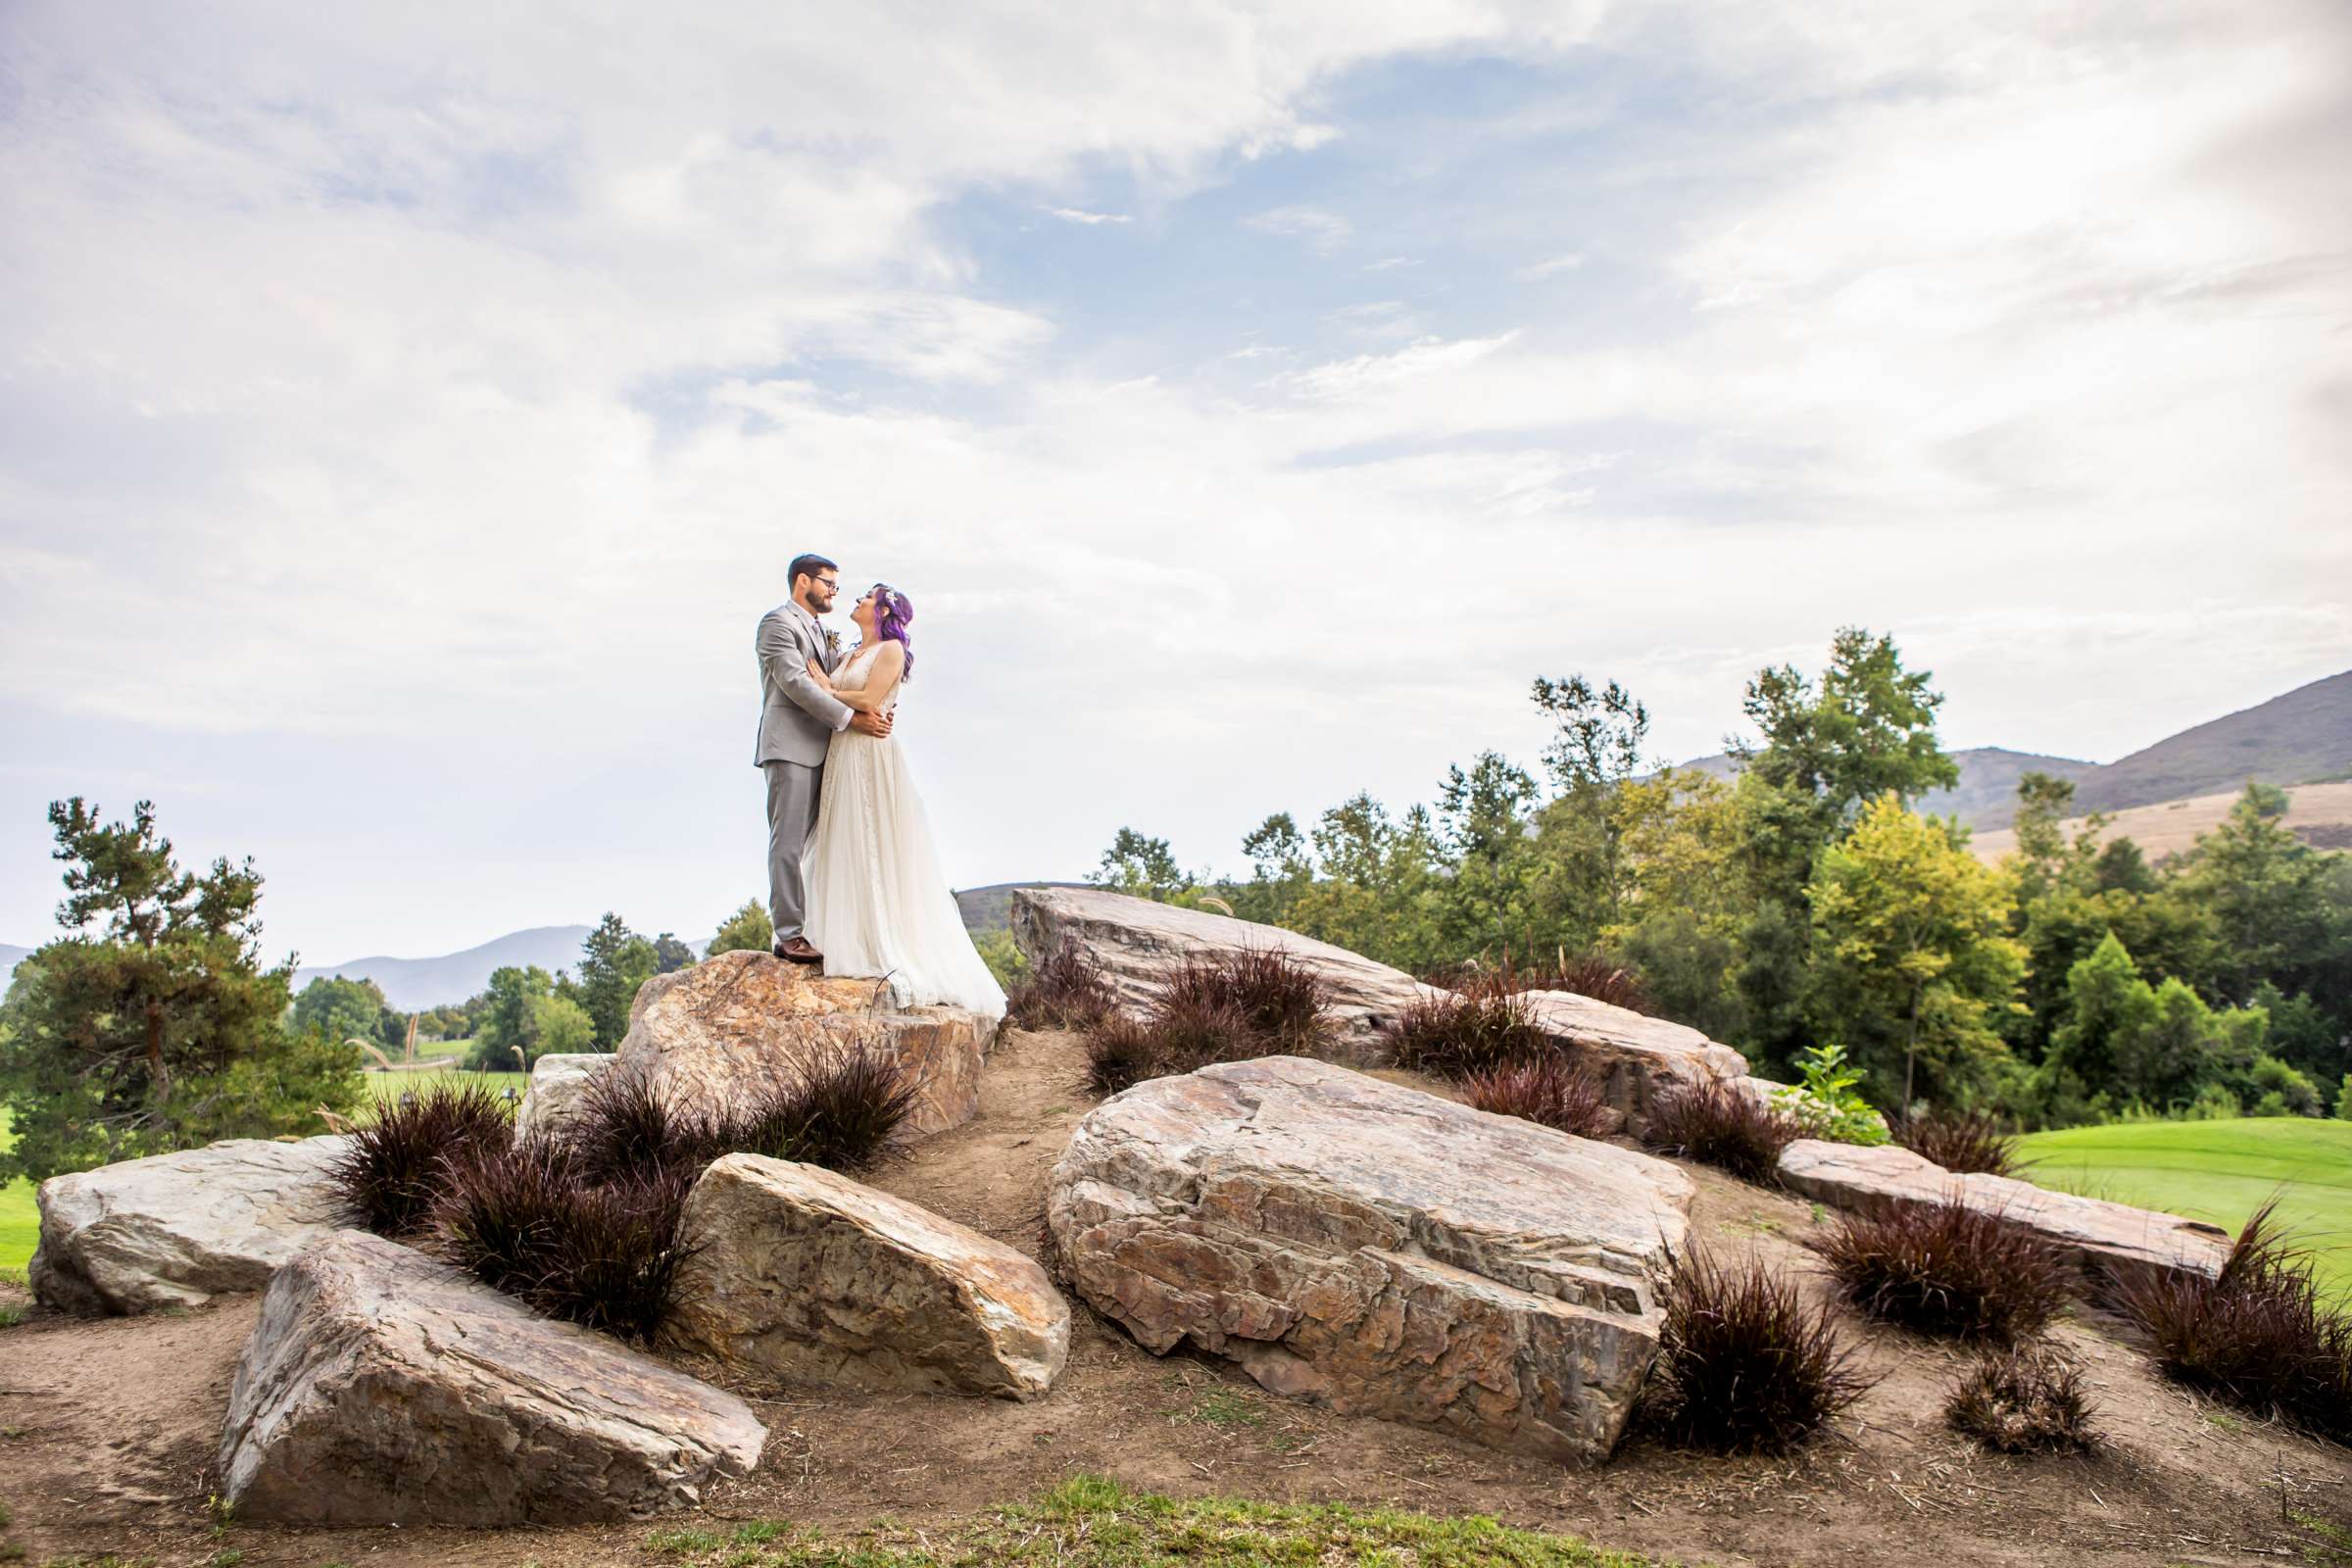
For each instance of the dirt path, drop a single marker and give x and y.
(111, 1428)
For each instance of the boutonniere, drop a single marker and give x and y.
(832, 643)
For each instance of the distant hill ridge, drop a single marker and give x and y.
(2301, 737)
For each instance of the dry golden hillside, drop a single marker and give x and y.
(2322, 813)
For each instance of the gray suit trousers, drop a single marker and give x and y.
(792, 797)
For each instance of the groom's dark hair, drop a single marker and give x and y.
(806, 567)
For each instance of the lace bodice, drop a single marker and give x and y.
(854, 670)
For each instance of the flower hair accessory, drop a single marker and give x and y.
(893, 612)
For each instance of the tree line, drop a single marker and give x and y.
(1803, 902)
(153, 1022)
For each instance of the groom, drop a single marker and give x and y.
(798, 718)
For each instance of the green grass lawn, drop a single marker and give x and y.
(19, 1221)
(2219, 1172)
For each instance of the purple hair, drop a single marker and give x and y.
(893, 612)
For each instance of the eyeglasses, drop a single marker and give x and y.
(829, 584)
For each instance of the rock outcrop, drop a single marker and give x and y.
(742, 1022)
(559, 1083)
(380, 1387)
(1134, 943)
(179, 1229)
(2095, 1234)
(1377, 1249)
(819, 1280)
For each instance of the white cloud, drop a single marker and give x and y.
(1075, 215)
(1325, 231)
(1567, 260)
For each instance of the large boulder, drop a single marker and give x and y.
(1134, 944)
(382, 1388)
(1377, 1249)
(558, 1084)
(818, 1279)
(179, 1229)
(743, 1022)
(2097, 1234)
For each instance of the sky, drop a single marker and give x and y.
(407, 412)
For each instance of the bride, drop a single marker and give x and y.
(877, 901)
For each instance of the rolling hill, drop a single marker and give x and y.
(413, 983)
(2300, 737)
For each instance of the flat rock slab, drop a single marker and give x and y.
(179, 1229)
(1135, 943)
(2097, 1234)
(743, 1022)
(818, 1279)
(558, 1085)
(1377, 1249)
(380, 1387)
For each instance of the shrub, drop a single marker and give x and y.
(1452, 1035)
(1065, 992)
(839, 1112)
(1120, 1053)
(629, 1126)
(1825, 1104)
(392, 1171)
(1279, 1000)
(2029, 1400)
(1720, 1125)
(526, 1221)
(1545, 1090)
(1588, 974)
(2261, 1335)
(1235, 1007)
(1946, 1269)
(1743, 1365)
(1181, 1035)
(1961, 1142)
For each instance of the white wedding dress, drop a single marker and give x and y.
(878, 903)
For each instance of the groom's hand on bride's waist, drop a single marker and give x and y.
(875, 725)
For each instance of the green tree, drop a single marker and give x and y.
(1282, 869)
(560, 1026)
(1482, 823)
(342, 1009)
(2124, 1041)
(2279, 905)
(1371, 892)
(1142, 868)
(151, 1025)
(747, 930)
(614, 963)
(670, 955)
(506, 1032)
(1915, 965)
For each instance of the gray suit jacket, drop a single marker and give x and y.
(797, 717)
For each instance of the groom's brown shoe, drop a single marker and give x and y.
(798, 950)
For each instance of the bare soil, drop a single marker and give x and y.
(108, 1431)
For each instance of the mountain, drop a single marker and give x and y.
(1984, 796)
(2302, 737)
(8, 957)
(413, 983)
